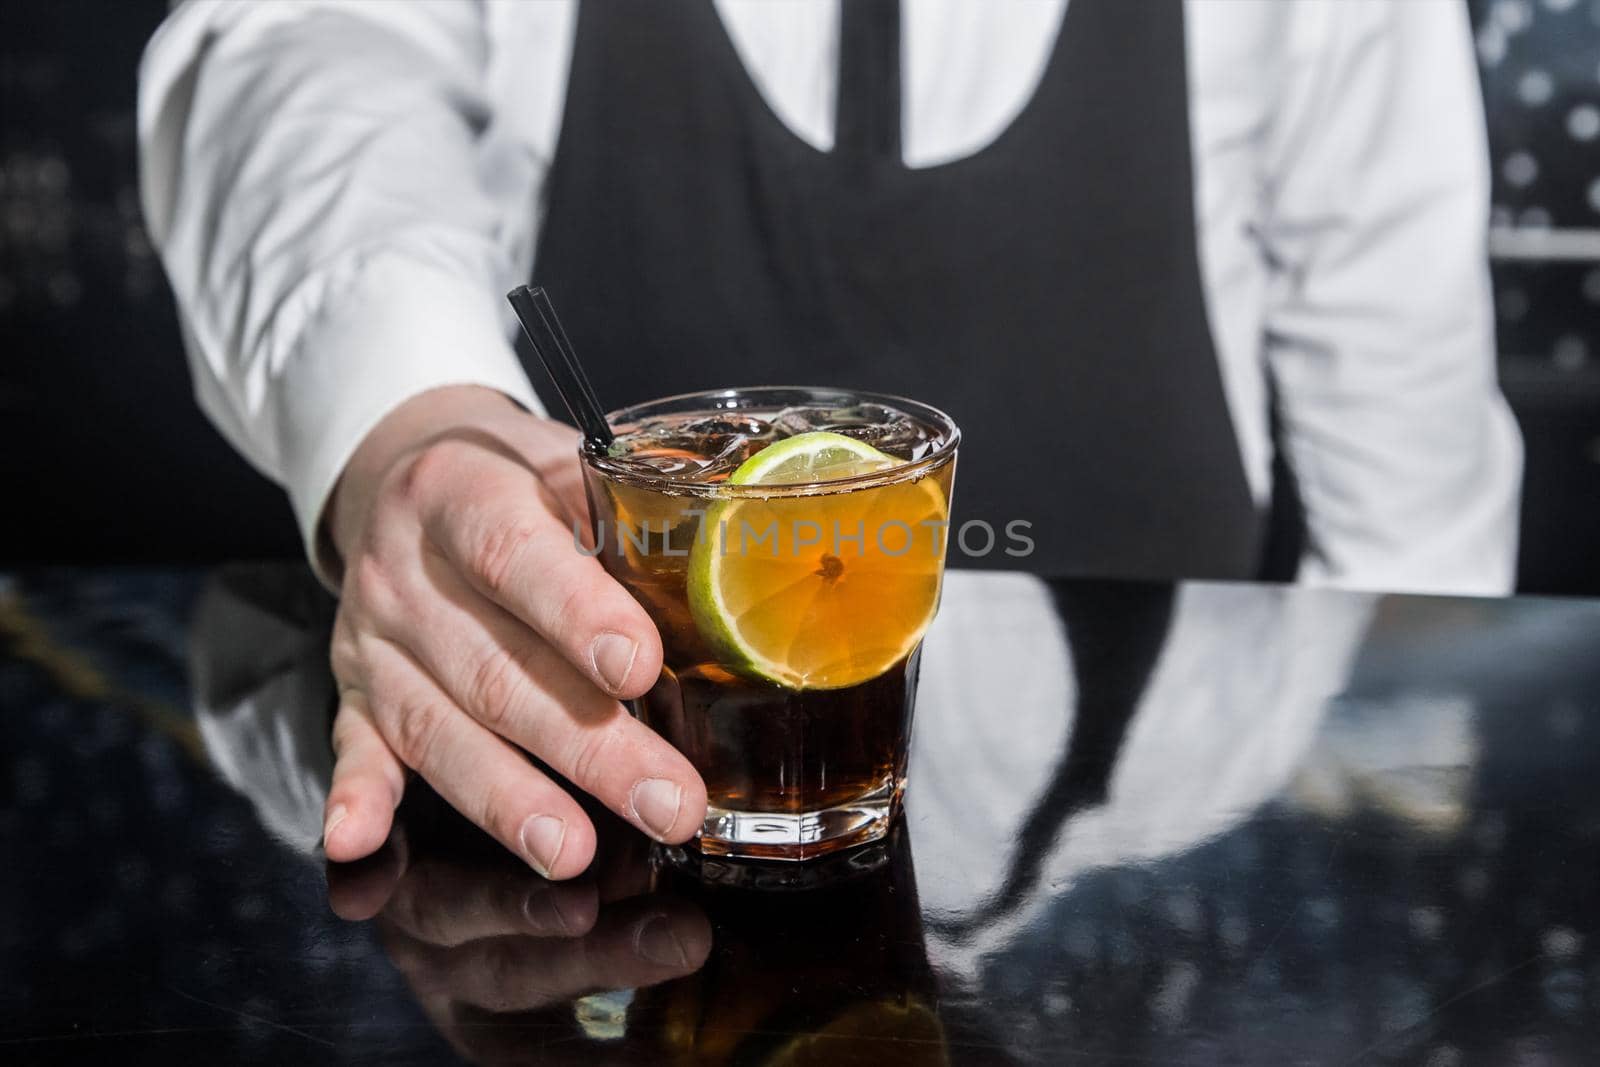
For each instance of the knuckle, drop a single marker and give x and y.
(494, 812)
(501, 552)
(369, 584)
(342, 736)
(575, 591)
(418, 728)
(591, 753)
(570, 593)
(498, 688)
(344, 655)
(420, 475)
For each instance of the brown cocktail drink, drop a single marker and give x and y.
(789, 545)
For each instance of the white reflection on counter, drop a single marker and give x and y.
(1234, 698)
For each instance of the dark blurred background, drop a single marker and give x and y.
(104, 456)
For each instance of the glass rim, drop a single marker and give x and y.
(908, 470)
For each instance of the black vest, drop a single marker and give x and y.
(1045, 291)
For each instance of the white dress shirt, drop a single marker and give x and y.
(342, 192)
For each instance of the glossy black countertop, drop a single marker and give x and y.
(1147, 824)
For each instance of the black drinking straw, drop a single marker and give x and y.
(549, 340)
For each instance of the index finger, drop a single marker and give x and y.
(491, 518)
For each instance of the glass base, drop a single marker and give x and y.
(791, 836)
(736, 873)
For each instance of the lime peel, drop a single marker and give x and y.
(818, 456)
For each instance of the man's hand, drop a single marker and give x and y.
(472, 630)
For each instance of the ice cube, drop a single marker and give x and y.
(673, 463)
(732, 450)
(732, 423)
(803, 419)
(900, 436)
(882, 427)
(650, 435)
(700, 449)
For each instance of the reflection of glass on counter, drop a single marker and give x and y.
(841, 962)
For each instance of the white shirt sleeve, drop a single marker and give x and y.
(339, 211)
(1380, 333)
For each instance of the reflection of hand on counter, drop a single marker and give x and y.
(496, 955)
(622, 965)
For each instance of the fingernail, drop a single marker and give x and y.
(542, 836)
(613, 655)
(655, 802)
(335, 817)
(655, 941)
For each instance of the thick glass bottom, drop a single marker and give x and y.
(805, 835)
(742, 873)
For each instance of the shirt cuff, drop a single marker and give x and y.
(402, 329)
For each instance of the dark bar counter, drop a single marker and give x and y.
(1147, 824)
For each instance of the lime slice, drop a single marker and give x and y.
(820, 591)
(818, 456)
